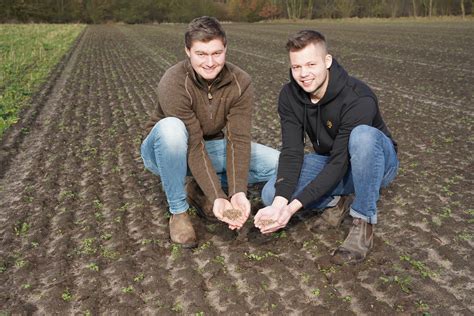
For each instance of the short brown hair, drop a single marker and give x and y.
(303, 38)
(204, 29)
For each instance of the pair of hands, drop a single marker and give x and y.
(237, 201)
(268, 219)
(276, 216)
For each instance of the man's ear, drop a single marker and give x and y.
(187, 51)
(328, 61)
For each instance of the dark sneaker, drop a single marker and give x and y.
(199, 201)
(357, 245)
(334, 216)
(182, 231)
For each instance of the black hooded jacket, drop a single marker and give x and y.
(347, 103)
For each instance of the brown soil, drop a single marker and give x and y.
(232, 214)
(84, 228)
(266, 222)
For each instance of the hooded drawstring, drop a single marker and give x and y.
(318, 124)
(304, 126)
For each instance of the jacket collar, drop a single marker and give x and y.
(224, 77)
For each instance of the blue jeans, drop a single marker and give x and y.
(373, 165)
(164, 153)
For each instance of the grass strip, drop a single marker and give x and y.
(28, 52)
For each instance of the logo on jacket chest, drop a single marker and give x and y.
(329, 124)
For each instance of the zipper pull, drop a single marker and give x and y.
(209, 95)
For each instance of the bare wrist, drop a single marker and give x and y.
(279, 202)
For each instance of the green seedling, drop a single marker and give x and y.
(93, 266)
(219, 260)
(66, 296)
(128, 289)
(316, 292)
(256, 257)
(22, 229)
(177, 307)
(139, 277)
(279, 234)
(175, 251)
(419, 266)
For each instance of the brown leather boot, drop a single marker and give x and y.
(182, 231)
(199, 201)
(335, 215)
(357, 245)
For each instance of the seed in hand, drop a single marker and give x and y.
(232, 214)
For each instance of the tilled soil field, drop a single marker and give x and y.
(84, 228)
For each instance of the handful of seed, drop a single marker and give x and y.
(232, 213)
(266, 222)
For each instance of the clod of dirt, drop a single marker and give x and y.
(232, 213)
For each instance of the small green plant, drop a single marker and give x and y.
(175, 251)
(66, 296)
(139, 277)
(177, 307)
(22, 229)
(99, 216)
(347, 298)
(403, 282)
(256, 257)
(204, 246)
(146, 241)
(199, 314)
(422, 307)
(465, 235)
(316, 292)
(67, 195)
(419, 266)
(98, 204)
(93, 266)
(106, 236)
(128, 289)
(219, 260)
(87, 246)
(20, 263)
(327, 270)
(109, 253)
(446, 212)
(26, 286)
(279, 234)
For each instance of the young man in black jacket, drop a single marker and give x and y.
(354, 151)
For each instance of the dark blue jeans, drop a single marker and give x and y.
(373, 165)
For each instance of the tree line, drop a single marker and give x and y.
(146, 11)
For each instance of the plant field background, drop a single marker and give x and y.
(84, 227)
(27, 54)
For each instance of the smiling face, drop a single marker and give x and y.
(207, 58)
(310, 68)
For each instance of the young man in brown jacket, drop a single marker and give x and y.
(202, 129)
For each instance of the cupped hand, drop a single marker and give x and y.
(272, 218)
(220, 206)
(239, 201)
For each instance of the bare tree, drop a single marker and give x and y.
(294, 8)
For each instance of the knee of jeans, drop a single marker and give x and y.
(171, 133)
(363, 138)
(268, 192)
